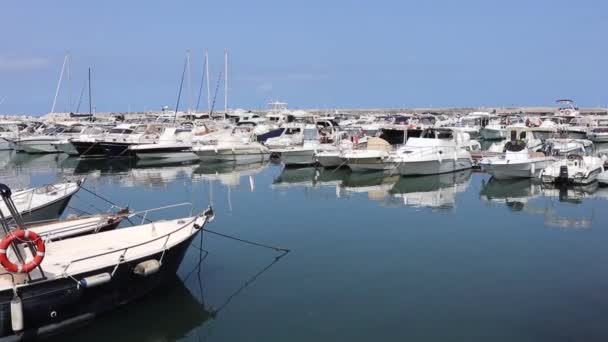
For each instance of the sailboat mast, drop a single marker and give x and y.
(226, 81)
(189, 81)
(208, 87)
(90, 101)
(69, 67)
(59, 83)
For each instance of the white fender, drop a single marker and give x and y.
(146, 268)
(16, 314)
(95, 280)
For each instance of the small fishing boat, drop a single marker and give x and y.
(574, 169)
(72, 281)
(43, 203)
(517, 162)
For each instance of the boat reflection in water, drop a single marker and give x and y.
(515, 193)
(377, 185)
(143, 322)
(310, 177)
(561, 206)
(228, 174)
(434, 191)
(126, 172)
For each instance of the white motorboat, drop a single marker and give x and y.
(496, 129)
(291, 135)
(473, 122)
(574, 169)
(100, 272)
(563, 147)
(42, 142)
(599, 133)
(77, 132)
(116, 142)
(9, 131)
(550, 127)
(174, 144)
(517, 162)
(516, 135)
(43, 203)
(374, 158)
(236, 148)
(438, 150)
(304, 154)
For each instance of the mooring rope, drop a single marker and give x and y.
(278, 249)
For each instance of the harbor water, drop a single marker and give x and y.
(453, 257)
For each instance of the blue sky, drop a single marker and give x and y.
(312, 54)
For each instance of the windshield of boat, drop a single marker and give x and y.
(121, 131)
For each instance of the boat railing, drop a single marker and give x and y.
(208, 214)
(144, 213)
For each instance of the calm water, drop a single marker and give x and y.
(455, 257)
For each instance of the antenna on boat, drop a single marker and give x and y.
(65, 60)
(226, 81)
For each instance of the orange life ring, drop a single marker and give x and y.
(22, 235)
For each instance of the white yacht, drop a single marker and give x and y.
(574, 169)
(9, 131)
(237, 147)
(374, 158)
(517, 162)
(43, 142)
(518, 135)
(303, 154)
(174, 144)
(438, 150)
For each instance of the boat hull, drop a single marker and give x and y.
(88, 149)
(298, 157)
(590, 178)
(50, 211)
(516, 170)
(37, 146)
(432, 167)
(229, 155)
(52, 307)
(330, 161)
(367, 164)
(66, 147)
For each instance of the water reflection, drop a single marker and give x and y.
(154, 318)
(228, 174)
(434, 191)
(560, 206)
